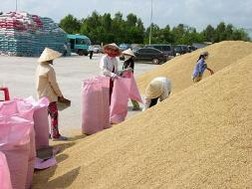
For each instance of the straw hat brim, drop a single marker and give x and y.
(204, 53)
(111, 46)
(129, 52)
(48, 54)
(154, 89)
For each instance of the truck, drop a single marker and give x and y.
(79, 44)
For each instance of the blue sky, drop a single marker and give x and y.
(194, 13)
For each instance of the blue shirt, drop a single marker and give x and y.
(199, 68)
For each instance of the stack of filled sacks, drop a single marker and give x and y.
(95, 101)
(20, 120)
(22, 34)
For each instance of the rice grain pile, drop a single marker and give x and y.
(201, 137)
(179, 69)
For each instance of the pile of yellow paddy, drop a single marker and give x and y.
(180, 69)
(200, 137)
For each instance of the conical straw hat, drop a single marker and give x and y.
(48, 54)
(204, 53)
(128, 52)
(154, 89)
(111, 46)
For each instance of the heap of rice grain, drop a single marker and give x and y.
(180, 69)
(200, 137)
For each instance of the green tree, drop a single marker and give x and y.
(134, 29)
(208, 33)
(220, 32)
(240, 34)
(155, 34)
(118, 27)
(229, 31)
(70, 24)
(167, 35)
(104, 29)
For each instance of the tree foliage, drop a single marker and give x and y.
(107, 29)
(70, 24)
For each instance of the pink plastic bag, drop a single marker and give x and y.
(95, 104)
(40, 117)
(104, 81)
(5, 182)
(34, 111)
(15, 144)
(26, 110)
(8, 107)
(124, 88)
(119, 100)
(41, 123)
(41, 126)
(133, 92)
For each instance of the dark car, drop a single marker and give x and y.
(181, 49)
(166, 48)
(192, 48)
(151, 54)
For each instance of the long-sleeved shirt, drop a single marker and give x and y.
(199, 68)
(109, 66)
(46, 83)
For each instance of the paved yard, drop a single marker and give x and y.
(17, 73)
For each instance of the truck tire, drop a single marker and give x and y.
(80, 52)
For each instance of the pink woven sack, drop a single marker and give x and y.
(119, 100)
(95, 107)
(5, 182)
(15, 144)
(133, 92)
(36, 112)
(124, 88)
(41, 123)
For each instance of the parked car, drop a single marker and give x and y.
(97, 48)
(192, 48)
(181, 49)
(151, 54)
(166, 48)
(124, 46)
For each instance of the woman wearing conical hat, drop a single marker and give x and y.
(158, 89)
(129, 64)
(109, 63)
(47, 86)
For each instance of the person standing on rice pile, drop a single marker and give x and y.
(129, 64)
(47, 86)
(158, 88)
(200, 67)
(109, 64)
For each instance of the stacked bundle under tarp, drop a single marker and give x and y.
(23, 34)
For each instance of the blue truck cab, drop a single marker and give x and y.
(79, 44)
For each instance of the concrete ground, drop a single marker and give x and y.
(17, 73)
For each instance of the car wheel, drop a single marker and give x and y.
(80, 52)
(155, 61)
